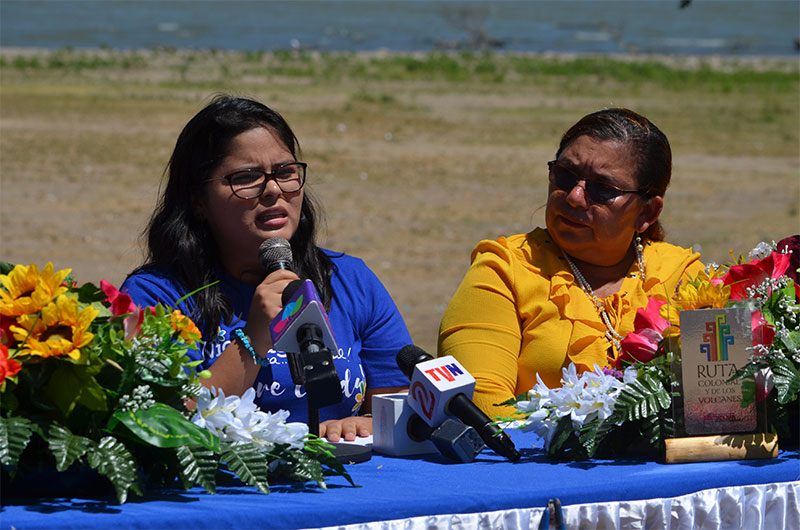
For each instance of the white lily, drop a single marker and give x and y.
(235, 418)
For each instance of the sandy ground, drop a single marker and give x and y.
(411, 175)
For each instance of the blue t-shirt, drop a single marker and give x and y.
(367, 326)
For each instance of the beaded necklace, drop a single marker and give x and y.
(611, 334)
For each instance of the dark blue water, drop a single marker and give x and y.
(736, 27)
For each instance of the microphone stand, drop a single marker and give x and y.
(313, 368)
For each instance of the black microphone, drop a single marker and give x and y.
(457, 404)
(453, 439)
(275, 254)
(313, 368)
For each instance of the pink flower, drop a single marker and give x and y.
(740, 277)
(121, 304)
(764, 384)
(650, 317)
(641, 345)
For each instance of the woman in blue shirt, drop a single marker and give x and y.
(234, 180)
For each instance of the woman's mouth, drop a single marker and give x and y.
(272, 219)
(571, 222)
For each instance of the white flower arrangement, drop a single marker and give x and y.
(238, 419)
(590, 395)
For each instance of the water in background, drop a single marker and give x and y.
(732, 27)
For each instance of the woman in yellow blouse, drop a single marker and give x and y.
(534, 303)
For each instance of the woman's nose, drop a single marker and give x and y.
(271, 189)
(577, 195)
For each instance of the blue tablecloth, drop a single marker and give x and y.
(400, 488)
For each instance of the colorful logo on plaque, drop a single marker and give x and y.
(717, 339)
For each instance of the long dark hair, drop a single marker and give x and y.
(178, 242)
(647, 143)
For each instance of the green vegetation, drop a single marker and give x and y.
(487, 67)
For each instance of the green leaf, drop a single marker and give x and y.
(198, 466)
(792, 341)
(89, 292)
(657, 427)
(248, 463)
(592, 433)
(746, 372)
(305, 468)
(787, 381)
(71, 384)
(66, 447)
(112, 459)
(302, 466)
(15, 433)
(748, 392)
(563, 441)
(162, 426)
(319, 450)
(643, 398)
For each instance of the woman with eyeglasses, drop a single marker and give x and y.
(531, 304)
(234, 181)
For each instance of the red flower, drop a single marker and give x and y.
(763, 333)
(8, 367)
(641, 345)
(791, 246)
(740, 277)
(6, 338)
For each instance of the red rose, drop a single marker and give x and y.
(8, 367)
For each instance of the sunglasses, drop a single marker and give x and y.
(597, 192)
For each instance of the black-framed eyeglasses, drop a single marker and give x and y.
(251, 183)
(598, 192)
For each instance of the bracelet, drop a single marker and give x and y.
(239, 332)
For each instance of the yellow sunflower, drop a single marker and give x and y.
(184, 326)
(706, 291)
(61, 330)
(25, 291)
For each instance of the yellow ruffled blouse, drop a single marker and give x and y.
(519, 312)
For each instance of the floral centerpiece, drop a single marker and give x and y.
(89, 379)
(613, 410)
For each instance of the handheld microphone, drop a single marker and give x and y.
(301, 303)
(303, 331)
(439, 389)
(275, 254)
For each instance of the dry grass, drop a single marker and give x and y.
(412, 168)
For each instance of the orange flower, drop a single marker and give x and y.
(185, 327)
